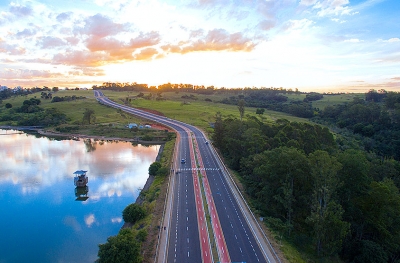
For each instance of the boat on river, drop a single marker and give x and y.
(80, 179)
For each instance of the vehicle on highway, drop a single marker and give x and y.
(183, 161)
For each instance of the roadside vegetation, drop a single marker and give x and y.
(144, 219)
(321, 169)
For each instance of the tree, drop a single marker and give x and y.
(355, 182)
(122, 248)
(218, 135)
(154, 167)
(8, 105)
(326, 215)
(133, 213)
(381, 210)
(284, 174)
(260, 111)
(241, 105)
(88, 116)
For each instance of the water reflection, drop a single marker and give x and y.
(37, 193)
(81, 193)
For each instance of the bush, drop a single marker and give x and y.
(8, 105)
(154, 167)
(133, 213)
(163, 171)
(147, 138)
(141, 235)
(121, 248)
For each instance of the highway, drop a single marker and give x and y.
(235, 233)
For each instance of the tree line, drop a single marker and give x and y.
(336, 200)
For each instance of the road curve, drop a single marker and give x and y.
(181, 241)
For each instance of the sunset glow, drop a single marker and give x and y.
(325, 45)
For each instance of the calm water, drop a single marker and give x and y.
(40, 220)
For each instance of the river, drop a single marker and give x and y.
(42, 219)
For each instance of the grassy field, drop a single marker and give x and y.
(196, 112)
(336, 99)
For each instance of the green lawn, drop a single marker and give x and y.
(336, 99)
(196, 112)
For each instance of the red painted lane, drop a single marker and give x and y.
(216, 224)
(201, 219)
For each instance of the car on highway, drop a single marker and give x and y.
(183, 161)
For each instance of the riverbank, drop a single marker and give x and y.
(140, 199)
(75, 136)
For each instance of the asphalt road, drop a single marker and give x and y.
(233, 226)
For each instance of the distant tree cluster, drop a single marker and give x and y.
(31, 114)
(66, 98)
(339, 202)
(376, 120)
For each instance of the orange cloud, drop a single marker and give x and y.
(10, 73)
(146, 54)
(121, 51)
(87, 71)
(81, 58)
(215, 40)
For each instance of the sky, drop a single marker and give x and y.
(311, 45)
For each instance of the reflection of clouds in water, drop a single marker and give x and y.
(73, 223)
(35, 163)
(128, 183)
(89, 220)
(116, 220)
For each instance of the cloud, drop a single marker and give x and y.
(20, 10)
(63, 16)
(329, 7)
(89, 220)
(308, 2)
(266, 24)
(100, 26)
(215, 40)
(11, 49)
(337, 20)
(51, 42)
(353, 40)
(145, 54)
(87, 71)
(80, 58)
(119, 50)
(10, 73)
(72, 40)
(25, 33)
(392, 40)
(393, 58)
(297, 24)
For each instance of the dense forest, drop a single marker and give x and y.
(374, 121)
(335, 199)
